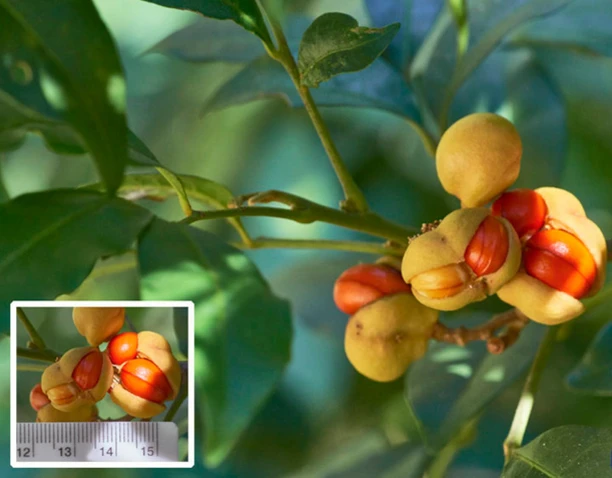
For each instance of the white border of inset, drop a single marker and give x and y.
(85, 464)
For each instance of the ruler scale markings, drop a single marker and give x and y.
(108, 441)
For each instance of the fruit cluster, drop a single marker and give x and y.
(535, 249)
(139, 371)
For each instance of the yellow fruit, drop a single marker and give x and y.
(383, 338)
(478, 158)
(148, 380)
(468, 257)
(98, 324)
(563, 262)
(48, 414)
(81, 377)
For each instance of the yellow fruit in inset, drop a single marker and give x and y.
(98, 324)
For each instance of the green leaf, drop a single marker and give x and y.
(416, 17)
(583, 81)
(461, 381)
(4, 195)
(209, 40)
(244, 12)
(380, 87)
(593, 375)
(156, 187)
(56, 237)
(492, 377)
(61, 63)
(138, 153)
(242, 331)
(16, 120)
(536, 108)
(581, 26)
(112, 278)
(571, 451)
(335, 44)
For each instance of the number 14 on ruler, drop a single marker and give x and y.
(102, 441)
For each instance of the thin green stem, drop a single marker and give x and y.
(354, 201)
(44, 355)
(182, 395)
(349, 246)
(368, 223)
(609, 248)
(176, 404)
(526, 400)
(32, 332)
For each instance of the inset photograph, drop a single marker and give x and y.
(102, 384)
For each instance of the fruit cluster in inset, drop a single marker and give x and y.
(536, 249)
(138, 370)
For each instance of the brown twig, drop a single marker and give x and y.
(512, 320)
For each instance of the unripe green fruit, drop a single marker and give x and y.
(478, 158)
(383, 338)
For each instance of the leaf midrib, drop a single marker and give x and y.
(534, 465)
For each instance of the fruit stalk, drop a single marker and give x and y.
(513, 320)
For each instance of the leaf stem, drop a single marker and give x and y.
(354, 200)
(32, 332)
(350, 246)
(44, 355)
(177, 185)
(526, 400)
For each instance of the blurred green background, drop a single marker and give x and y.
(324, 418)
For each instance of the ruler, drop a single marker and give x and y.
(96, 442)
